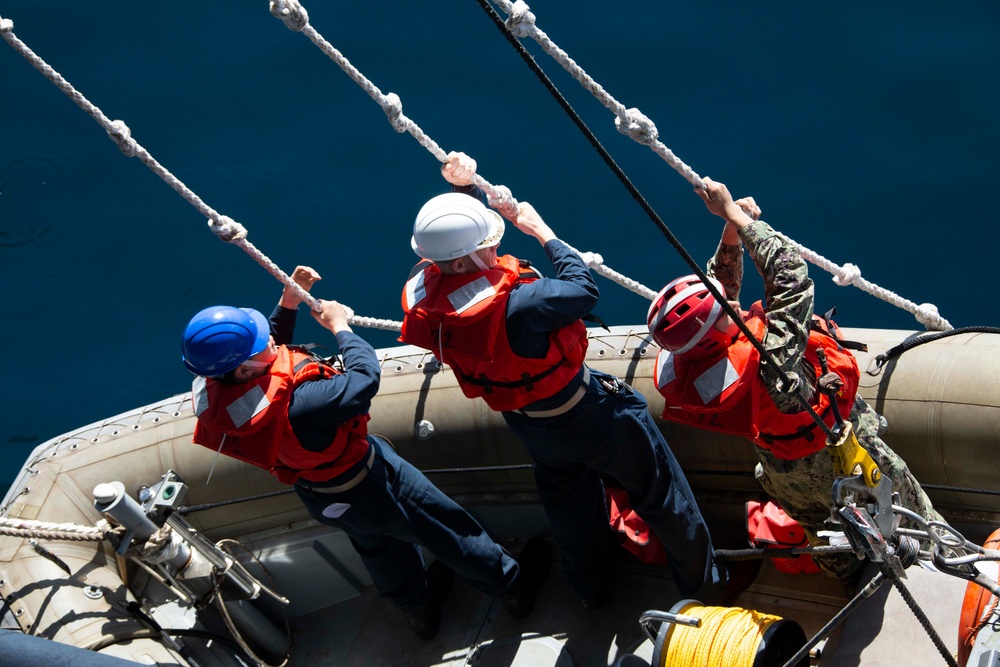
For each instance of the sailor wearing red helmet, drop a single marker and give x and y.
(709, 372)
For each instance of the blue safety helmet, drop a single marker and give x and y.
(220, 338)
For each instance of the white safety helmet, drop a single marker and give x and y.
(454, 225)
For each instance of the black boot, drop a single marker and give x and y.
(534, 563)
(425, 620)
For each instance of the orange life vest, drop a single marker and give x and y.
(769, 526)
(726, 394)
(463, 319)
(249, 421)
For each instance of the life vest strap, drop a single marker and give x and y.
(805, 431)
(565, 407)
(351, 478)
(527, 381)
(833, 331)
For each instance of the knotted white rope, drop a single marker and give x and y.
(596, 262)
(849, 274)
(223, 226)
(632, 122)
(295, 17)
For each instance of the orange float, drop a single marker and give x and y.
(977, 607)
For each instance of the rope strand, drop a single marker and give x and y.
(295, 17)
(54, 531)
(222, 226)
(640, 128)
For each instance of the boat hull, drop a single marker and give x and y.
(941, 401)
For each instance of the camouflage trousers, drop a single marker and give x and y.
(803, 487)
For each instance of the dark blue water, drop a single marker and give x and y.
(866, 133)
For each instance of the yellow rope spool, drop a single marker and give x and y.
(727, 637)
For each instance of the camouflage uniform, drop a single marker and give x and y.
(803, 486)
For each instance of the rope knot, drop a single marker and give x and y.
(292, 14)
(122, 136)
(500, 198)
(393, 108)
(846, 275)
(592, 259)
(928, 315)
(159, 548)
(227, 229)
(637, 126)
(6, 25)
(521, 21)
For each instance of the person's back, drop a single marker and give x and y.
(283, 409)
(577, 423)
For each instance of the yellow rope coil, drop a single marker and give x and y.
(728, 637)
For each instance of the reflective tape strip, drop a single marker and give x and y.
(716, 380)
(466, 297)
(665, 373)
(199, 395)
(247, 406)
(565, 407)
(415, 291)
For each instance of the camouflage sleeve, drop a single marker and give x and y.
(789, 302)
(727, 267)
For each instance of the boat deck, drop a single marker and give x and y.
(475, 630)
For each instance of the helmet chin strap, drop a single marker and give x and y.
(480, 264)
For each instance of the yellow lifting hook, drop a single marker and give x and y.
(850, 458)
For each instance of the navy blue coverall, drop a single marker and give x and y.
(610, 431)
(395, 507)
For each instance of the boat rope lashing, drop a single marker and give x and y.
(879, 362)
(47, 530)
(786, 382)
(296, 18)
(222, 226)
(158, 547)
(633, 123)
(727, 637)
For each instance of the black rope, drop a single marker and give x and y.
(778, 552)
(961, 489)
(767, 361)
(222, 503)
(884, 358)
(836, 620)
(925, 622)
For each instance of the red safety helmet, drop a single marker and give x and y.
(683, 316)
